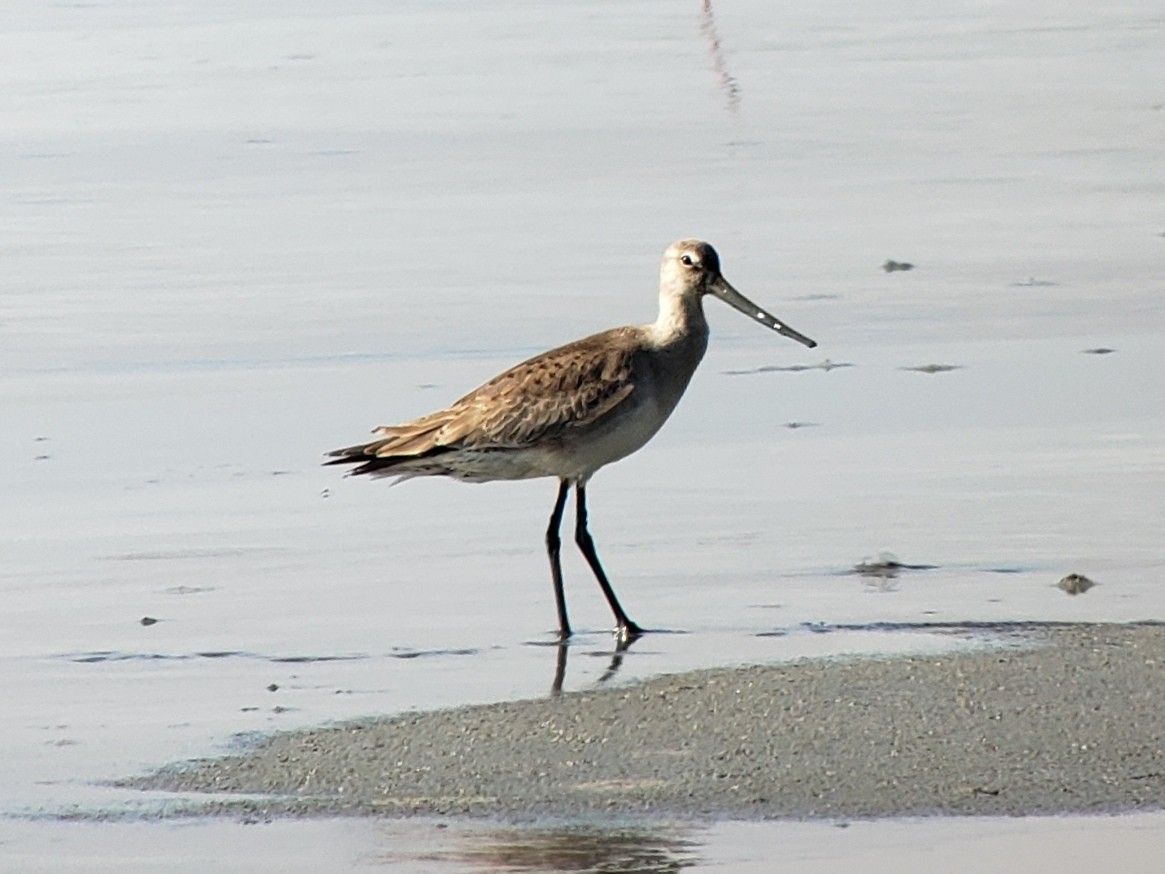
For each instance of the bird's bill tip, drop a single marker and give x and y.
(738, 301)
(800, 338)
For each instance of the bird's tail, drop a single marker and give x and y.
(400, 446)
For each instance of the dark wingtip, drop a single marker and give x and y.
(347, 455)
(366, 463)
(369, 463)
(341, 460)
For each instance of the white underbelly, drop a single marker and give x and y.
(624, 432)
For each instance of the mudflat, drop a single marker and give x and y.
(1071, 719)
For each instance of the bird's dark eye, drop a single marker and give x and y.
(686, 260)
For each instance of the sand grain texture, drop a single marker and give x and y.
(1073, 724)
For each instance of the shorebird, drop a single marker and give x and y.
(570, 411)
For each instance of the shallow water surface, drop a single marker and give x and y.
(245, 235)
(1002, 846)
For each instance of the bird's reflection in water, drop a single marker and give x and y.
(580, 849)
(622, 644)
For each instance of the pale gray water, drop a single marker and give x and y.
(956, 845)
(242, 235)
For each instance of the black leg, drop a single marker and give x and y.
(626, 629)
(553, 543)
(559, 668)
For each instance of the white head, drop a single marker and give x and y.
(691, 269)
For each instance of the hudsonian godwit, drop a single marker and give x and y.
(570, 411)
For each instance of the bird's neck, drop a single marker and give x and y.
(681, 321)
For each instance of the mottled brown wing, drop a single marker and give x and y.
(564, 388)
(539, 399)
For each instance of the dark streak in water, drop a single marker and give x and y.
(99, 656)
(424, 653)
(1001, 625)
(116, 656)
(172, 554)
(825, 365)
(728, 83)
(933, 368)
(967, 625)
(95, 657)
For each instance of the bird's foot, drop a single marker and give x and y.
(627, 631)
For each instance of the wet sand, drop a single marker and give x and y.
(1071, 720)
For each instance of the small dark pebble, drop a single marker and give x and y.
(1099, 350)
(274, 687)
(148, 620)
(887, 565)
(893, 266)
(1076, 584)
